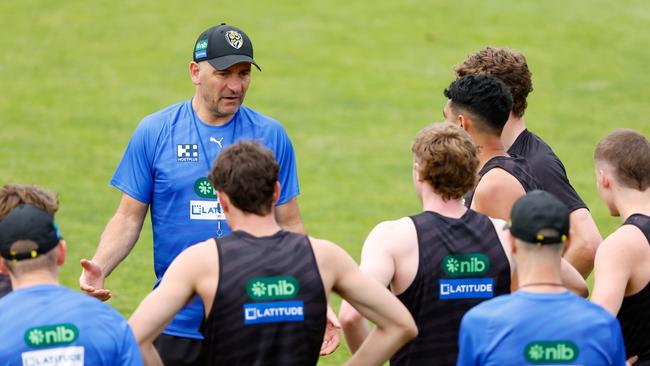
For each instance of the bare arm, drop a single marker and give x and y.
(394, 324)
(496, 194)
(612, 272)
(376, 262)
(159, 307)
(585, 241)
(288, 216)
(116, 242)
(573, 280)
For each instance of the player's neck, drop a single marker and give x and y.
(255, 225)
(206, 116)
(34, 278)
(432, 201)
(536, 275)
(631, 201)
(489, 147)
(513, 128)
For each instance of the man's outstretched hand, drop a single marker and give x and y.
(92, 280)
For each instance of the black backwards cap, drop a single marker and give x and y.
(536, 211)
(27, 222)
(223, 46)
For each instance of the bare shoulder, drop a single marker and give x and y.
(392, 234)
(627, 241)
(325, 249)
(199, 256)
(495, 182)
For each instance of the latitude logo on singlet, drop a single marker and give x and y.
(550, 352)
(51, 335)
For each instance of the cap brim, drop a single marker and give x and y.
(224, 62)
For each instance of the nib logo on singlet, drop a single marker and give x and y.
(51, 335)
(271, 288)
(465, 264)
(550, 352)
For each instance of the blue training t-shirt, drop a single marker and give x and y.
(166, 165)
(527, 328)
(53, 325)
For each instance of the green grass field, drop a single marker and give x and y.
(352, 82)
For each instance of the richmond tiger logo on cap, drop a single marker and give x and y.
(234, 39)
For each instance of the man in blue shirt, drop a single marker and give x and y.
(165, 168)
(542, 323)
(44, 323)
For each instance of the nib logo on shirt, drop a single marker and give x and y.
(550, 353)
(51, 335)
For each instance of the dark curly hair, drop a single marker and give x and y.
(507, 65)
(485, 97)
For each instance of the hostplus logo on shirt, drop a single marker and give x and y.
(273, 288)
(551, 352)
(187, 153)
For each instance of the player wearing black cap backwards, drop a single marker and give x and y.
(165, 168)
(14, 195)
(542, 323)
(622, 270)
(266, 289)
(44, 323)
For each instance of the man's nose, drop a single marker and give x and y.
(235, 84)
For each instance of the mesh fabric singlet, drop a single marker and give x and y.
(461, 264)
(634, 314)
(516, 166)
(270, 306)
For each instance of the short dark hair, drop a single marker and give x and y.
(447, 159)
(247, 173)
(507, 65)
(485, 97)
(628, 152)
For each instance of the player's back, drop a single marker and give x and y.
(52, 325)
(527, 328)
(270, 306)
(461, 263)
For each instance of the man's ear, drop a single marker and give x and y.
(3, 268)
(61, 248)
(225, 201)
(513, 244)
(276, 193)
(195, 70)
(465, 123)
(603, 178)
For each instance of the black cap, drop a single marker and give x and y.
(223, 46)
(536, 211)
(27, 222)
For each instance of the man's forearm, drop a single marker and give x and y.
(380, 345)
(117, 241)
(584, 243)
